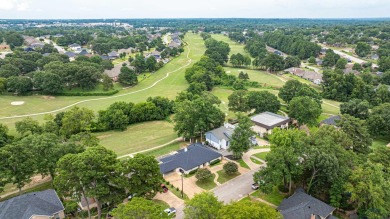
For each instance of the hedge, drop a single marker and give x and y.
(108, 93)
(215, 162)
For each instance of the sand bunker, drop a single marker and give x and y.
(17, 103)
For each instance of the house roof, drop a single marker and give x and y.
(269, 120)
(331, 120)
(187, 159)
(301, 205)
(113, 53)
(70, 54)
(222, 133)
(84, 52)
(34, 203)
(74, 45)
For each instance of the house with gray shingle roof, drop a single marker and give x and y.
(263, 123)
(219, 138)
(331, 121)
(190, 158)
(44, 204)
(303, 206)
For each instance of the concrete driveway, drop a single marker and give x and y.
(189, 184)
(247, 157)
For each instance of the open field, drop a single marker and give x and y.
(256, 75)
(138, 137)
(170, 80)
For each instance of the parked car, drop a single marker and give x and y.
(170, 211)
(164, 188)
(131, 196)
(255, 186)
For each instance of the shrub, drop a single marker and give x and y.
(192, 171)
(215, 162)
(230, 168)
(177, 189)
(108, 93)
(168, 182)
(203, 174)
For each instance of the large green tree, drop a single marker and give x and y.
(305, 110)
(202, 206)
(355, 107)
(77, 120)
(362, 49)
(140, 208)
(357, 131)
(238, 101)
(248, 210)
(379, 120)
(127, 76)
(262, 101)
(240, 140)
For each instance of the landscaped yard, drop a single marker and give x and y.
(207, 184)
(223, 177)
(274, 197)
(261, 155)
(255, 161)
(380, 141)
(40, 187)
(243, 164)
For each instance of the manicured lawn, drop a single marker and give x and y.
(264, 78)
(261, 155)
(40, 187)
(273, 197)
(260, 147)
(207, 184)
(138, 137)
(255, 161)
(234, 46)
(169, 86)
(166, 150)
(243, 164)
(161, 203)
(223, 177)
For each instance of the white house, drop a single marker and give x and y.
(75, 47)
(263, 123)
(220, 138)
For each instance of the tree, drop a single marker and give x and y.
(127, 76)
(202, 206)
(141, 175)
(357, 131)
(87, 174)
(362, 49)
(355, 107)
(203, 174)
(140, 208)
(151, 64)
(370, 190)
(87, 77)
(240, 140)
(341, 63)
(113, 119)
(238, 101)
(4, 137)
(291, 61)
(286, 149)
(16, 165)
(312, 60)
(273, 62)
(248, 210)
(20, 85)
(243, 76)
(29, 126)
(357, 67)
(230, 168)
(139, 63)
(385, 78)
(379, 120)
(384, 64)
(3, 83)
(262, 101)
(77, 120)
(305, 110)
(48, 82)
(107, 83)
(294, 88)
(193, 118)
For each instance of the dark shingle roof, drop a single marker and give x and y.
(35, 203)
(331, 120)
(301, 205)
(195, 155)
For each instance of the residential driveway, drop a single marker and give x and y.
(247, 157)
(173, 201)
(189, 184)
(236, 188)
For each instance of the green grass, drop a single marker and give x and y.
(223, 177)
(40, 187)
(255, 161)
(177, 193)
(380, 141)
(273, 197)
(138, 137)
(165, 150)
(261, 155)
(97, 89)
(163, 204)
(243, 164)
(168, 87)
(264, 78)
(260, 147)
(235, 47)
(207, 184)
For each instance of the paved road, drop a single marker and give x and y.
(236, 188)
(59, 48)
(353, 58)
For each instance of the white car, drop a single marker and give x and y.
(170, 211)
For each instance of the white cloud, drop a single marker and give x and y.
(23, 6)
(7, 4)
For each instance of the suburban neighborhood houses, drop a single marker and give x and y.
(265, 122)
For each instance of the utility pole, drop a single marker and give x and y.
(182, 183)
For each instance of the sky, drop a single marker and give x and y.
(89, 9)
